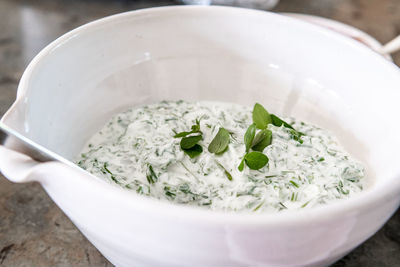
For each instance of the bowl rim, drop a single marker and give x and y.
(355, 204)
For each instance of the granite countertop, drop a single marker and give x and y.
(33, 230)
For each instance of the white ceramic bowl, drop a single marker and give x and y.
(208, 53)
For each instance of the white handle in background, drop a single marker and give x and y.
(391, 47)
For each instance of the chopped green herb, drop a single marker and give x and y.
(294, 196)
(296, 136)
(305, 204)
(340, 189)
(294, 183)
(258, 206)
(168, 192)
(106, 169)
(220, 142)
(151, 175)
(227, 174)
(184, 188)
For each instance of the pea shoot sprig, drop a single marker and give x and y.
(258, 141)
(189, 144)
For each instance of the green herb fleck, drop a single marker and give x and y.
(340, 189)
(227, 174)
(296, 136)
(294, 184)
(241, 165)
(258, 206)
(168, 192)
(151, 175)
(184, 188)
(305, 204)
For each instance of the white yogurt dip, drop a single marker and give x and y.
(137, 150)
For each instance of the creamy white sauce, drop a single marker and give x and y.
(316, 172)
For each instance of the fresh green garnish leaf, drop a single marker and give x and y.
(189, 144)
(191, 141)
(193, 151)
(261, 117)
(220, 142)
(262, 140)
(151, 175)
(249, 136)
(279, 122)
(195, 129)
(256, 160)
(241, 165)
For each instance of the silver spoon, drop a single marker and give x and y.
(20, 143)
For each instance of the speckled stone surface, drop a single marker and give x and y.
(33, 230)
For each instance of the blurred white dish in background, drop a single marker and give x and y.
(256, 4)
(342, 28)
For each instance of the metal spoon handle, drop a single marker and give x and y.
(21, 144)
